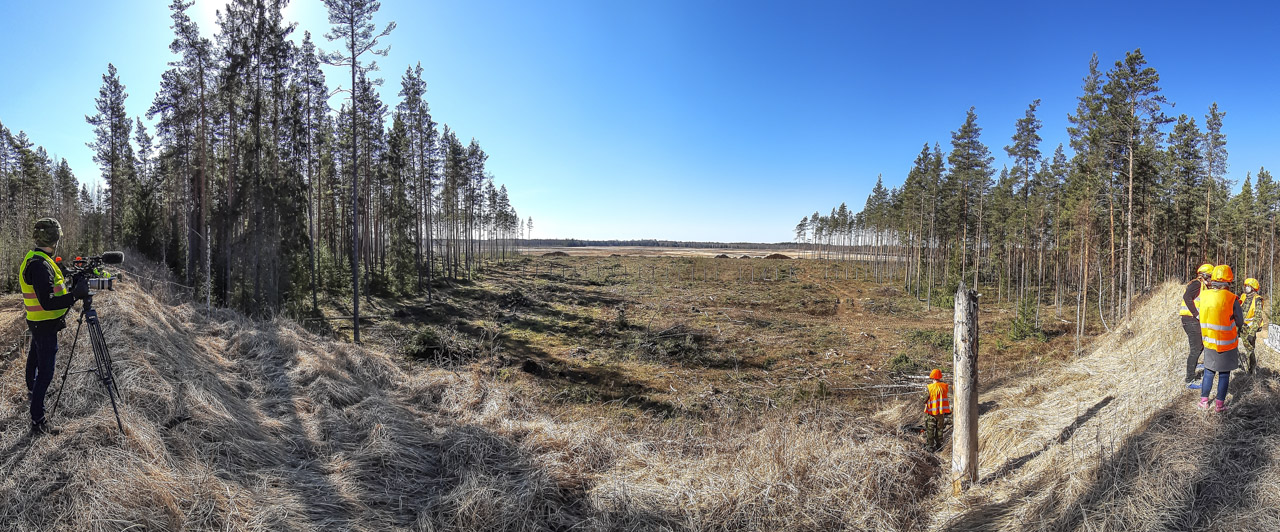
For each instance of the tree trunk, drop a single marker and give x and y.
(964, 445)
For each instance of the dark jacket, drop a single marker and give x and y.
(1189, 298)
(39, 275)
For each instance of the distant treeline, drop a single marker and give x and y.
(574, 243)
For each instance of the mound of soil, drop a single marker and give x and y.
(555, 254)
(745, 257)
(722, 256)
(776, 256)
(614, 255)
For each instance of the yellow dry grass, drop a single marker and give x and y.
(1112, 441)
(235, 424)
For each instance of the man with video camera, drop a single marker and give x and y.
(45, 295)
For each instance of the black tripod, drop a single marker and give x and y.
(101, 360)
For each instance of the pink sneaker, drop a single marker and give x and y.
(1204, 403)
(1218, 406)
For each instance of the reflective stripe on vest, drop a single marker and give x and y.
(938, 401)
(1253, 314)
(35, 312)
(1217, 320)
(1186, 311)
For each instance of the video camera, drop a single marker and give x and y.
(90, 269)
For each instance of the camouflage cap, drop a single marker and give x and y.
(47, 232)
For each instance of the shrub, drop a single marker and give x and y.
(1024, 323)
(903, 363)
(934, 340)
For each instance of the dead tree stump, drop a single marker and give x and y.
(964, 398)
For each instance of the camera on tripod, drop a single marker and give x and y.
(90, 269)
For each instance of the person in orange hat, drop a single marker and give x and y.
(937, 408)
(1221, 320)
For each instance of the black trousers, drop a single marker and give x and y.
(40, 363)
(1195, 345)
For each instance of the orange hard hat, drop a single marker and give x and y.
(936, 374)
(1251, 282)
(1205, 268)
(1223, 274)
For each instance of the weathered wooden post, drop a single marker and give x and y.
(964, 399)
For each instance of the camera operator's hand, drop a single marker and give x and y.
(80, 288)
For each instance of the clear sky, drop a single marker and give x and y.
(700, 120)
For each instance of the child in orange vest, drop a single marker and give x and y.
(937, 410)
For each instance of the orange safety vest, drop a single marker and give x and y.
(938, 401)
(1252, 303)
(1217, 321)
(1186, 311)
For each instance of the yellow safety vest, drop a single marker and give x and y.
(938, 401)
(35, 312)
(1217, 321)
(1186, 311)
(1253, 304)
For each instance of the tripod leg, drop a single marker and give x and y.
(62, 385)
(102, 359)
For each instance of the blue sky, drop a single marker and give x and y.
(700, 120)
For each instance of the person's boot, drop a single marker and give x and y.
(43, 428)
(1204, 403)
(1218, 406)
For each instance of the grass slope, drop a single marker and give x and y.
(1112, 441)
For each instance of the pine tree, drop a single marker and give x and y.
(352, 22)
(970, 176)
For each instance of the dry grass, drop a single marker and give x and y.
(1112, 442)
(234, 424)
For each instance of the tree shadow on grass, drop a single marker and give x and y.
(1016, 463)
(1227, 455)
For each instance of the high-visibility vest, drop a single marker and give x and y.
(938, 401)
(35, 312)
(1253, 304)
(1186, 311)
(1217, 322)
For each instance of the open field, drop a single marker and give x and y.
(707, 338)
(657, 251)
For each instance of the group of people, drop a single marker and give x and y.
(1217, 321)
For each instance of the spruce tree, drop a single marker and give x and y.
(112, 152)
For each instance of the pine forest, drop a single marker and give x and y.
(1141, 199)
(263, 184)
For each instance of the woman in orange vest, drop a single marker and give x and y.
(1190, 316)
(1220, 323)
(937, 407)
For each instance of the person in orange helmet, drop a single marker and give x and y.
(1221, 321)
(937, 409)
(1190, 315)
